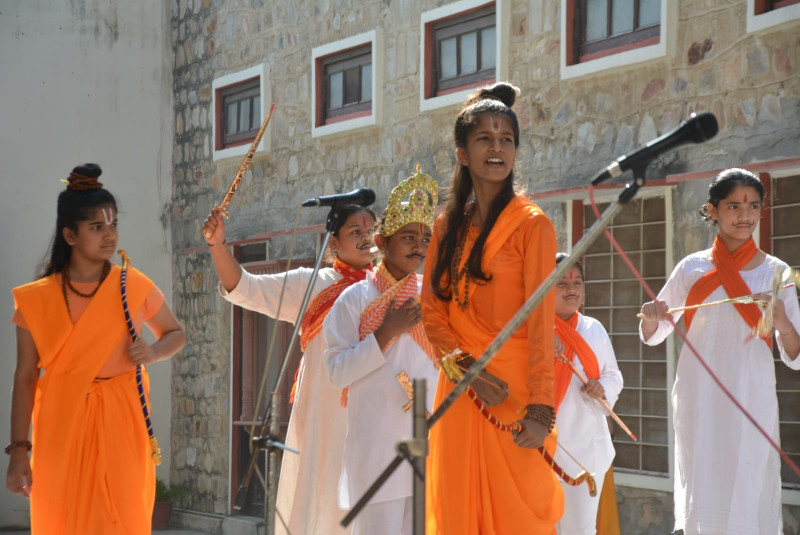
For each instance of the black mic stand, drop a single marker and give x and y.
(413, 450)
(271, 421)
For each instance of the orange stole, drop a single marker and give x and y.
(574, 344)
(91, 457)
(726, 273)
(479, 481)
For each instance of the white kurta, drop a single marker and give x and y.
(375, 417)
(318, 423)
(727, 477)
(583, 431)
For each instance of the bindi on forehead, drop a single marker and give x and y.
(495, 123)
(571, 275)
(745, 197)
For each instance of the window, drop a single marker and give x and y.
(463, 45)
(347, 84)
(599, 35)
(238, 103)
(784, 207)
(614, 297)
(606, 25)
(241, 112)
(762, 14)
(465, 50)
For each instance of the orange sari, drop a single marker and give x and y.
(93, 472)
(479, 481)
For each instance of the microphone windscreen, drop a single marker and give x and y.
(369, 196)
(703, 127)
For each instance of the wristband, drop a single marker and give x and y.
(544, 414)
(19, 444)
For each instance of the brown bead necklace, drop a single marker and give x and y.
(66, 283)
(457, 274)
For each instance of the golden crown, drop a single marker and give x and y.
(423, 195)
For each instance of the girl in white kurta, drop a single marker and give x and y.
(307, 489)
(580, 418)
(374, 333)
(727, 476)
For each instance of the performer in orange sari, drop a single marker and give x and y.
(486, 258)
(76, 376)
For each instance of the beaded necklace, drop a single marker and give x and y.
(457, 274)
(66, 283)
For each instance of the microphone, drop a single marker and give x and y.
(363, 196)
(696, 129)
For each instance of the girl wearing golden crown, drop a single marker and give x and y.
(308, 481)
(491, 249)
(373, 335)
(92, 470)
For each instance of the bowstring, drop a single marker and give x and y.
(685, 338)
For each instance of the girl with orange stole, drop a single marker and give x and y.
(307, 487)
(491, 249)
(76, 377)
(375, 340)
(581, 420)
(727, 477)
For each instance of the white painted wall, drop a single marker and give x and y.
(82, 81)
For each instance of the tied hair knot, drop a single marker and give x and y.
(79, 182)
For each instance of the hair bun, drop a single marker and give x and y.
(502, 91)
(84, 177)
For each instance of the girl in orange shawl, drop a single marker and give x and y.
(76, 377)
(727, 477)
(491, 249)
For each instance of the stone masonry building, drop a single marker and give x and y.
(365, 90)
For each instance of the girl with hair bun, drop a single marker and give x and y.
(491, 249)
(727, 477)
(77, 379)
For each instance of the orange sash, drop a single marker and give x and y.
(726, 273)
(321, 305)
(66, 424)
(372, 317)
(574, 344)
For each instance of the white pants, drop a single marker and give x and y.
(395, 517)
(580, 509)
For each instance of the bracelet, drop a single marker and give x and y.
(544, 414)
(218, 244)
(19, 444)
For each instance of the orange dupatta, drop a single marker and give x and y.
(726, 273)
(574, 344)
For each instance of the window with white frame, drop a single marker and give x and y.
(462, 46)
(598, 35)
(762, 14)
(614, 297)
(237, 102)
(784, 207)
(347, 79)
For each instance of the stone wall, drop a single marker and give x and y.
(570, 129)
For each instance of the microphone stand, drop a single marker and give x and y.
(412, 450)
(271, 423)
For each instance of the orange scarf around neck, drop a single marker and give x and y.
(726, 273)
(372, 317)
(321, 305)
(574, 344)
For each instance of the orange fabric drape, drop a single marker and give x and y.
(479, 481)
(574, 344)
(608, 511)
(726, 273)
(92, 469)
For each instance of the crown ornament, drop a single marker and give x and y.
(412, 201)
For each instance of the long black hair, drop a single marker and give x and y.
(78, 202)
(496, 99)
(724, 183)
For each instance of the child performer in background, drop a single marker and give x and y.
(727, 477)
(308, 481)
(491, 249)
(581, 420)
(374, 336)
(76, 376)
